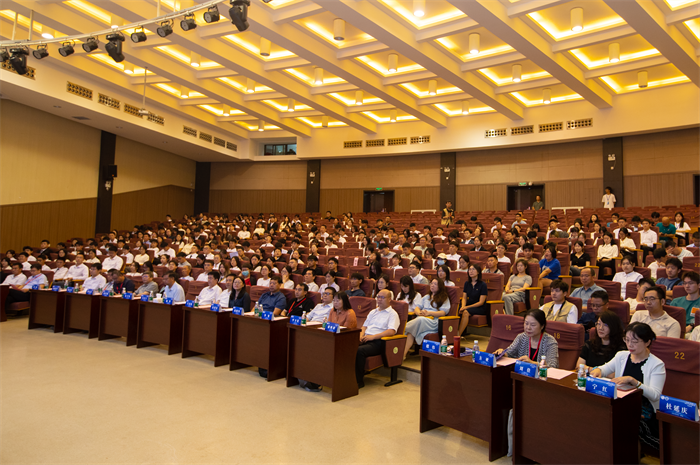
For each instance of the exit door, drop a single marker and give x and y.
(522, 197)
(378, 201)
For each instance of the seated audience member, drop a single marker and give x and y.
(313, 266)
(597, 305)
(667, 230)
(550, 268)
(655, 316)
(301, 302)
(516, 285)
(227, 288)
(691, 300)
(321, 311)
(265, 275)
(330, 282)
(41, 259)
(674, 250)
(696, 240)
(673, 269)
(588, 286)
(408, 293)
(434, 304)
(414, 271)
(356, 280)
(607, 253)
(173, 290)
(210, 294)
(309, 277)
(286, 274)
(627, 246)
(194, 251)
(273, 300)
(695, 335)
(20, 292)
(607, 340)
(92, 257)
(579, 259)
(29, 253)
(443, 272)
(96, 281)
(186, 273)
(239, 296)
(60, 272)
(142, 257)
(491, 265)
(112, 262)
(463, 263)
(452, 253)
(149, 287)
(395, 263)
(342, 312)
(208, 268)
(79, 271)
(407, 254)
(659, 261)
(534, 342)
(643, 285)
(627, 275)
(166, 250)
(473, 298)
(638, 368)
(120, 283)
(560, 309)
(381, 322)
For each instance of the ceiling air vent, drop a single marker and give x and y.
(108, 101)
(156, 119)
(496, 132)
(81, 118)
(31, 72)
(397, 141)
(205, 137)
(78, 90)
(352, 144)
(189, 131)
(219, 142)
(579, 123)
(374, 143)
(132, 110)
(420, 139)
(520, 130)
(549, 127)
(232, 146)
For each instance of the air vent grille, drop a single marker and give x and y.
(189, 131)
(156, 119)
(132, 110)
(579, 123)
(79, 90)
(232, 146)
(352, 144)
(420, 139)
(496, 132)
(204, 136)
(219, 142)
(108, 101)
(549, 127)
(374, 143)
(397, 141)
(517, 131)
(31, 72)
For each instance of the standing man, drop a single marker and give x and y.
(538, 204)
(609, 199)
(448, 214)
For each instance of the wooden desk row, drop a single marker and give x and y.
(283, 349)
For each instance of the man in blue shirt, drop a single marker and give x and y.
(673, 267)
(589, 286)
(273, 300)
(690, 301)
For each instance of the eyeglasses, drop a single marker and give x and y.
(650, 299)
(629, 341)
(600, 324)
(595, 305)
(689, 283)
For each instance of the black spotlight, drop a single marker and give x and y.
(114, 46)
(188, 23)
(66, 49)
(40, 52)
(212, 14)
(90, 45)
(239, 14)
(165, 28)
(4, 55)
(139, 36)
(18, 60)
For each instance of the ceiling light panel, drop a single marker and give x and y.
(91, 10)
(384, 116)
(250, 42)
(185, 56)
(677, 4)
(24, 22)
(489, 44)
(658, 76)
(556, 21)
(240, 84)
(175, 89)
(281, 105)
(694, 26)
(436, 12)
(306, 75)
(455, 108)
(421, 89)
(317, 121)
(378, 62)
(253, 126)
(348, 98)
(558, 94)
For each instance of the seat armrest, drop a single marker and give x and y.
(396, 336)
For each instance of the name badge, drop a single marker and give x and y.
(189, 303)
(144, 298)
(105, 293)
(332, 327)
(168, 301)
(526, 369)
(215, 307)
(237, 311)
(679, 408)
(35, 287)
(128, 296)
(269, 316)
(295, 320)
(90, 292)
(431, 346)
(70, 290)
(601, 387)
(56, 288)
(485, 358)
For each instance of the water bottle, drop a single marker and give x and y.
(476, 349)
(581, 379)
(325, 322)
(443, 345)
(303, 319)
(150, 297)
(542, 373)
(196, 301)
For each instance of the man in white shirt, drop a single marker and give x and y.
(627, 275)
(452, 252)
(553, 230)
(60, 272)
(422, 245)
(166, 250)
(172, 289)
(23, 259)
(128, 257)
(385, 252)
(208, 268)
(20, 293)
(672, 250)
(309, 280)
(195, 252)
(206, 251)
(621, 223)
(560, 309)
(17, 278)
(414, 272)
(647, 238)
(79, 271)
(96, 280)
(396, 263)
(323, 309)
(210, 294)
(112, 262)
(381, 322)
(225, 296)
(643, 285)
(406, 248)
(654, 315)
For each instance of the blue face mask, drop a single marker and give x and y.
(440, 261)
(245, 273)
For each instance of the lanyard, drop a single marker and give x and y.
(296, 303)
(537, 349)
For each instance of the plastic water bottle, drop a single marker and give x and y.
(303, 319)
(542, 373)
(443, 345)
(476, 349)
(196, 301)
(150, 297)
(581, 379)
(325, 322)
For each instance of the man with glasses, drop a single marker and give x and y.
(586, 291)
(414, 272)
(661, 322)
(597, 304)
(691, 302)
(321, 311)
(301, 303)
(381, 322)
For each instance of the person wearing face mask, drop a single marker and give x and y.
(245, 273)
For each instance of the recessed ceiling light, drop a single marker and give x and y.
(57, 106)
(119, 127)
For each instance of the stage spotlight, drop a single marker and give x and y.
(165, 28)
(66, 49)
(188, 23)
(212, 14)
(239, 14)
(40, 52)
(114, 46)
(18, 60)
(139, 36)
(90, 45)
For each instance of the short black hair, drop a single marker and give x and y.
(559, 284)
(602, 295)
(215, 274)
(659, 253)
(675, 262)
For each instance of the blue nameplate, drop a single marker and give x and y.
(215, 307)
(144, 298)
(128, 296)
(105, 293)
(35, 287)
(269, 316)
(89, 292)
(679, 408)
(601, 387)
(431, 346)
(295, 320)
(56, 288)
(485, 358)
(189, 303)
(168, 301)
(332, 327)
(526, 369)
(237, 311)
(70, 290)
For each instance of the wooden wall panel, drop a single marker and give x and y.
(257, 201)
(574, 193)
(416, 198)
(29, 223)
(659, 189)
(144, 206)
(342, 200)
(662, 152)
(481, 197)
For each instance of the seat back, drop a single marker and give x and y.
(363, 270)
(570, 339)
(315, 297)
(455, 294)
(682, 360)
(533, 269)
(622, 309)
(631, 289)
(674, 312)
(362, 306)
(367, 286)
(504, 329)
(612, 288)
(402, 309)
(494, 283)
(194, 289)
(574, 300)
(459, 278)
(691, 263)
(257, 291)
(679, 291)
